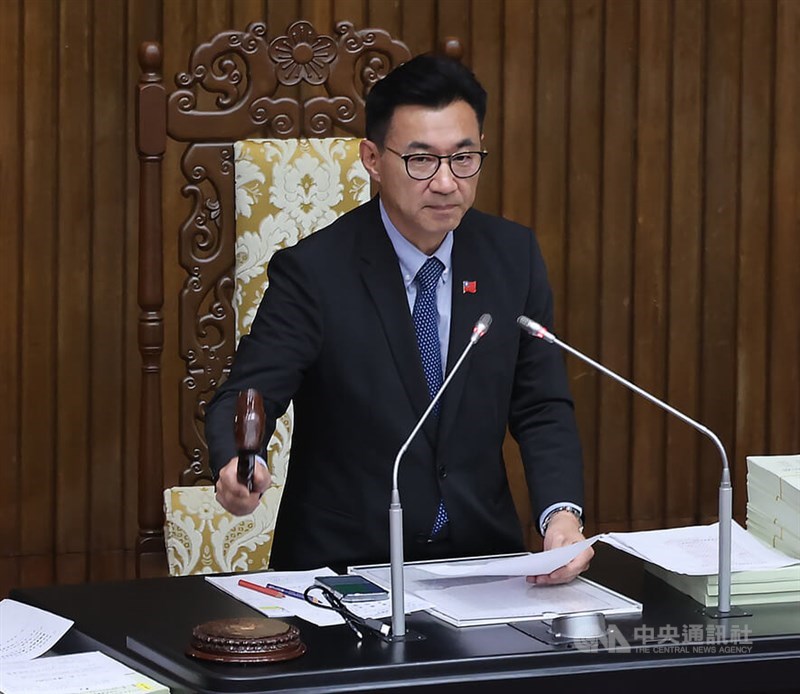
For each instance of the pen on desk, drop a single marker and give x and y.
(267, 590)
(293, 593)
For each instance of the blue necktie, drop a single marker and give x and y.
(425, 316)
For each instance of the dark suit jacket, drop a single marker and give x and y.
(334, 333)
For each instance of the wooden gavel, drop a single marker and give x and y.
(249, 427)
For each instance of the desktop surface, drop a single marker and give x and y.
(671, 646)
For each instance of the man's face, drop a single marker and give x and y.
(424, 211)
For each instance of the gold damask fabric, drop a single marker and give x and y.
(203, 538)
(285, 190)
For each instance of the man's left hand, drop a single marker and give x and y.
(564, 529)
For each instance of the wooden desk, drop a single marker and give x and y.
(146, 624)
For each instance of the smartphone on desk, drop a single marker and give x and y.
(352, 588)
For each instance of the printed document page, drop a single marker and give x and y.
(694, 550)
(80, 673)
(26, 631)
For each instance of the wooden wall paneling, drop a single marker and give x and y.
(650, 258)
(385, 14)
(245, 12)
(486, 51)
(354, 11)
(319, 13)
(784, 381)
(685, 249)
(180, 21)
(280, 14)
(106, 488)
(519, 88)
(11, 157)
(73, 300)
(583, 213)
(516, 155)
(143, 22)
(453, 19)
(550, 175)
(721, 222)
(612, 478)
(418, 25)
(752, 323)
(38, 452)
(213, 17)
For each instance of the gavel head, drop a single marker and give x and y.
(250, 421)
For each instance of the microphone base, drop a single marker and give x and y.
(714, 612)
(410, 635)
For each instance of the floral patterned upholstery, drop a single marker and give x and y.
(285, 190)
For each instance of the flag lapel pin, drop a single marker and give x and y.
(469, 287)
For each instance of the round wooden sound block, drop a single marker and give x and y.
(246, 640)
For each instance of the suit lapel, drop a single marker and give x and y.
(381, 274)
(465, 311)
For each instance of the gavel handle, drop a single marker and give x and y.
(245, 469)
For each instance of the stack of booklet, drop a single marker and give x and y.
(747, 587)
(773, 501)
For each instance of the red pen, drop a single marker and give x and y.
(260, 589)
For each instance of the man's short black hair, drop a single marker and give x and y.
(428, 80)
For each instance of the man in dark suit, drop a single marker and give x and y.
(355, 328)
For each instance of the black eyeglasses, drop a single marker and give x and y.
(421, 167)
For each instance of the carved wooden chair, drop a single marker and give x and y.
(238, 85)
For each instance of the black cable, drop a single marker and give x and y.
(354, 621)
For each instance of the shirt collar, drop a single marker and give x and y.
(409, 256)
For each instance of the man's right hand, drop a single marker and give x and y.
(234, 496)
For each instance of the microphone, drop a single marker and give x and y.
(725, 487)
(396, 510)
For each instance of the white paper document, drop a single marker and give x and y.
(537, 564)
(26, 631)
(298, 581)
(84, 673)
(694, 550)
(477, 599)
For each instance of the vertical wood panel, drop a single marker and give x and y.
(519, 87)
(11, 157)
(38, 452)
(685, 250)
(758, 65)
(385, 14)
(487, 22)
(107, 292)
(650, 257)
(551, 144)
(245, 12)
(74, 275)
(418, 25)
(721, 219)
(583, 253)
(784, 404)
(353, 11)
(612, 478)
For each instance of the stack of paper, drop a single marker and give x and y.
(687, 559)
(773, 501)
(747, 587)
(26, 632)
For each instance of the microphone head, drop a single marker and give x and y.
(481, 327)
(533, 328)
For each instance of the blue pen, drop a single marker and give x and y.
(292, 593)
